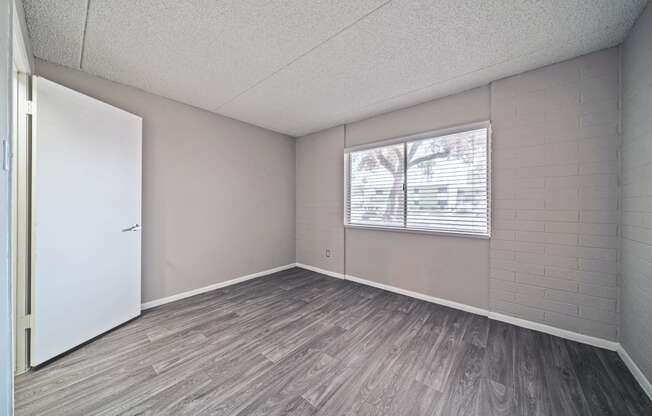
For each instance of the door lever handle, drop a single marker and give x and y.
(135, 227)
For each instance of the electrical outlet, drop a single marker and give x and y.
(328, 252)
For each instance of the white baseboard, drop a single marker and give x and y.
(536, 326)
(417, 295)
(562, 333)
(322, 271)
(636, 372)
(183, 295)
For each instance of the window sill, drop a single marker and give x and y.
(417, 231)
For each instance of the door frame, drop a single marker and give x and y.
(20, 219)
(20, 188)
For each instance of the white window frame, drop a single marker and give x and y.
(407, 139)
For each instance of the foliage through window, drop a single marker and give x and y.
(433, 183)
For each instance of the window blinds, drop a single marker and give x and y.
(376, 195)
(434, 183)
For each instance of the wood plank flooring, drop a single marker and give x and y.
(300, 343)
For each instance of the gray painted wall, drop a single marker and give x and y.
(320, 196)
(417, 262)
(6, 315)
(553, 254)
(447, 267)
(636, 318)
(218, 194)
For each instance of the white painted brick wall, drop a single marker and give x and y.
(554, 254)
(636, 319)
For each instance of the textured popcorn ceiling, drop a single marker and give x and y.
(298, 66)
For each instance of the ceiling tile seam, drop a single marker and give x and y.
(173, 100)
(430, 85)
(339, 32)
(83, 39)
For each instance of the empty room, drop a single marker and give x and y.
(328, 208)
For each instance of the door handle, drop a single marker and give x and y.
(135, 227)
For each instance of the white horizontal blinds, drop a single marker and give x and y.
(375, 190)
(447, 183)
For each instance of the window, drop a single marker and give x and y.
(434, 182)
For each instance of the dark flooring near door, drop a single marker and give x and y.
(300, 343)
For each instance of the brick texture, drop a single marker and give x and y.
(554, 254)
(636, 316)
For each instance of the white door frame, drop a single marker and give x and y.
(21, 178)
(20, 191)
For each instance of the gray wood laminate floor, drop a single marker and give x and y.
(300, 343)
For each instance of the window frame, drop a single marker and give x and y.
(486, 124)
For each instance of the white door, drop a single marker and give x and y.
(86, 193)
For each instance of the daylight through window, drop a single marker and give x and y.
(437, 183)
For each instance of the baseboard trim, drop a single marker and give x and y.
(322, 271)
(417, 295)
(636, 372)
(562, 333)
(536, 326)
(183, 295)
